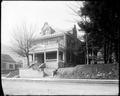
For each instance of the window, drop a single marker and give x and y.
(3, 65)
(11, 66)
(51, 55)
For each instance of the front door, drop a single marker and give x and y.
(40, 57)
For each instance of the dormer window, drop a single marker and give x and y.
(46, 29)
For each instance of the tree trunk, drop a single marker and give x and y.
(92, 55)
(108, 53)
(87, 49)
(117, 51)
(28, 60)
(105, 53)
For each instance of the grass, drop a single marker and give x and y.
(98, 71)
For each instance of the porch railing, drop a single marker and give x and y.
(50, 60)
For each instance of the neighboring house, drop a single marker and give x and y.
(7, 63)
(56, 49)
(6, 49)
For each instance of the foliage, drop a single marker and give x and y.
(102, 27)
(98, 71)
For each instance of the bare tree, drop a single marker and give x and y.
(23, 38)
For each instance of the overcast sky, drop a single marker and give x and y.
(56, 13)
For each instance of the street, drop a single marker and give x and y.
(50, 87)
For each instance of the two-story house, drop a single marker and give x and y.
(56, 49)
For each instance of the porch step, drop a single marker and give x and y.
(12, 74)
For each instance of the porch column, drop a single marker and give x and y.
(64, 56)
(57, 55)
(44, 53)
(44, 56)
(33, 57)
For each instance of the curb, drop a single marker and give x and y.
(87, 81)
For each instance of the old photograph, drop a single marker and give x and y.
(60, 47)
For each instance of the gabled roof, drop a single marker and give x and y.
(7, 58)
(46, 29)
(6, 49)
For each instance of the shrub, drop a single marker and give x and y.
(98, 71)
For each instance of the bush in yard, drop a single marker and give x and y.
(98, 71)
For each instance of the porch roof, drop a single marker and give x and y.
(47, 48)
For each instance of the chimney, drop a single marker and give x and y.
(75, 31)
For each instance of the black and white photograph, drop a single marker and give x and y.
(60, 47)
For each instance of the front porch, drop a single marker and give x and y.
(52, 58)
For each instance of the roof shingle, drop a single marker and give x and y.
(7, 58)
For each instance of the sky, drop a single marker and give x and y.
(57, 13)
